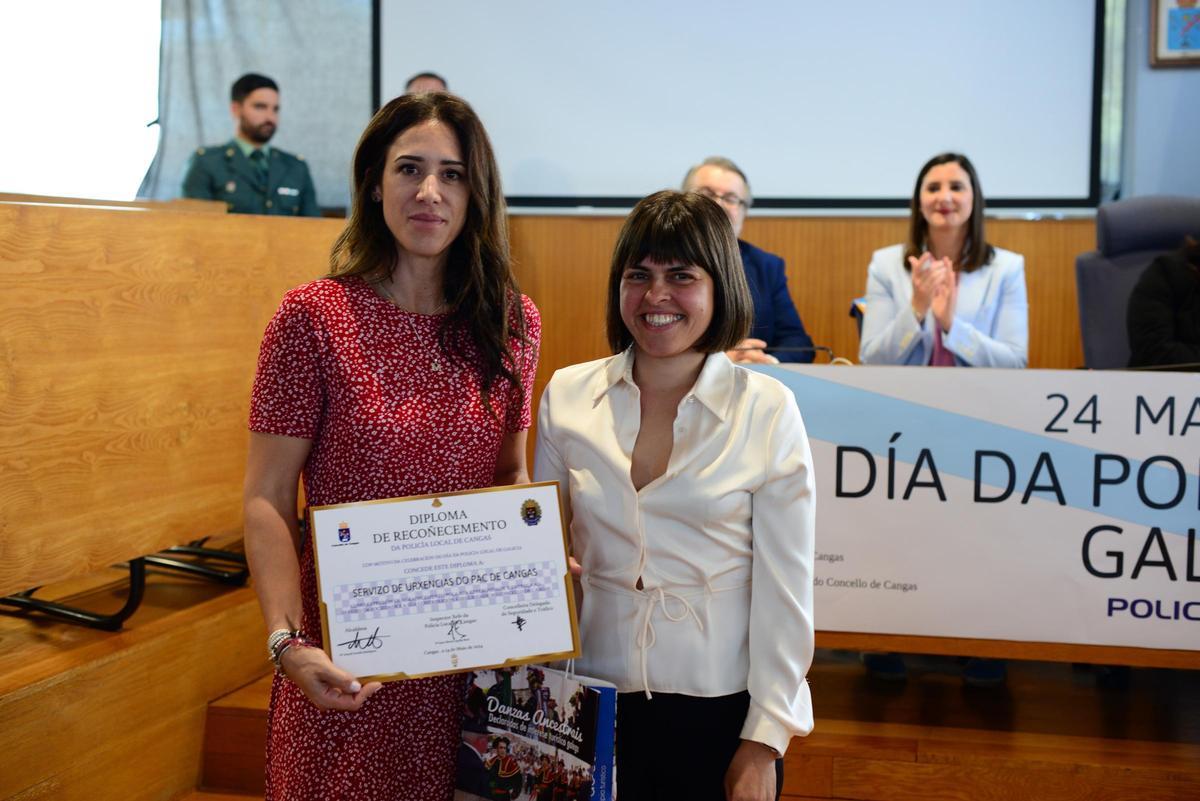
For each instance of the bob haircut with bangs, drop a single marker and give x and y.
(684, 228)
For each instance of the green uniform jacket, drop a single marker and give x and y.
(223, 173)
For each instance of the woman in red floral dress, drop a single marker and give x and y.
(408, 370)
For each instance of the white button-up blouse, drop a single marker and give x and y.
(723, 540)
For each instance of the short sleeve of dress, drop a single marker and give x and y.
(519, 415)
(288, 396)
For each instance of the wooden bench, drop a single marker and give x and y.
(128, 339)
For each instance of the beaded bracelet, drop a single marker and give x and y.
(297, 641)
(277, 641)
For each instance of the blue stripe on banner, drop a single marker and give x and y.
(844, 415)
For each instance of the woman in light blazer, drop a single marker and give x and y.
(946, 298)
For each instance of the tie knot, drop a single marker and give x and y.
(257, 155)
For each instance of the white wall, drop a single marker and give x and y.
(80, 85)
(1162, 118)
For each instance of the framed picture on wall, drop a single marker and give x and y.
(1174, 33)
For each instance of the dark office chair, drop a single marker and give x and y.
(1129, 235)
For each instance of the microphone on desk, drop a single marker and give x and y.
(809, 349)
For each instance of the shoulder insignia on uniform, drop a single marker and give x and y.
(199, 151)
(229, 152)
(299, 157)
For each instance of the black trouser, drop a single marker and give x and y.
(679, 746)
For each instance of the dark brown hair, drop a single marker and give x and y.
(976, 251)
(679, 228)
(248, 83)
(477, 285)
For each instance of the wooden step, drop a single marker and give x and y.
(235, 740)
(87, 714)
(1050, 733)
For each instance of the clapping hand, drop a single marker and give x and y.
(929, 276)
(945, 298)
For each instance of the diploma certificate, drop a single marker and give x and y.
(434, 584)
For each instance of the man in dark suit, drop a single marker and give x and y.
(246, 172)
(776, 322)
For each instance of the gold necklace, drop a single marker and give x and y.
(435, 363)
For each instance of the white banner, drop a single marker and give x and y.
(1036, 505)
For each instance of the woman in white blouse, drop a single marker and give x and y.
(689, 484)
(946, 297)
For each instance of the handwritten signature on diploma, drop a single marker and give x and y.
(360, 643)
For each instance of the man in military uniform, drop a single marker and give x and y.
(246, 172)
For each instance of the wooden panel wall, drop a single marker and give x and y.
(127, 347)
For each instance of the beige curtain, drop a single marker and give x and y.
(318, 51)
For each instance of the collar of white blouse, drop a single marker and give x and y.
(713, 388)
